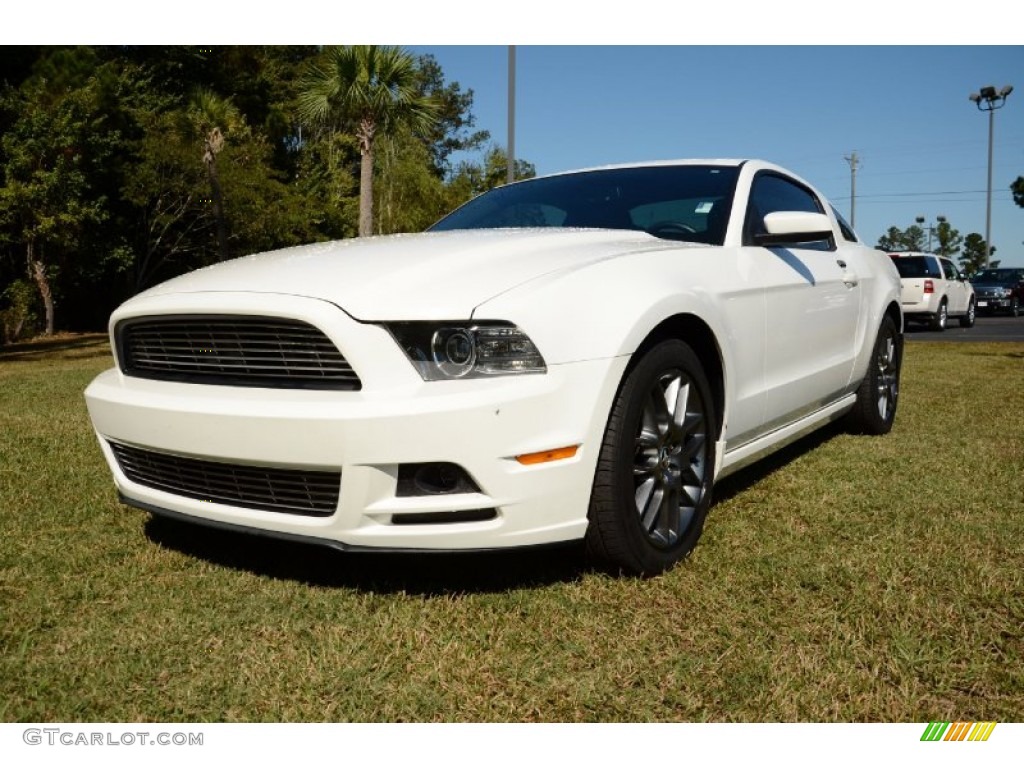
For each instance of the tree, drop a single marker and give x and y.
(895, 239)
(1018, 191)
(472, 179)
(454, 119)
(47, 199)
(213, 117)
(949, 239)
(369, 89)
(973, 259)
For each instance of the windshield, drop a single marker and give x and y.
(998, 276)
(677, 202)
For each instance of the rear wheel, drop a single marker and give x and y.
(938, 322)
(652, 488)
(878, 395)
(967, 321)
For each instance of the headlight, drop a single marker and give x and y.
(467, 351)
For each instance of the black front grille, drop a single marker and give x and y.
(233, 350)
(292, 491)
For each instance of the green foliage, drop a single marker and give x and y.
(451, 130)
(367, 89)
(123, 166)
(472, 179)
(949, 239)
(913, 238)
(973, 258)
(1018, 191)
(18, 317)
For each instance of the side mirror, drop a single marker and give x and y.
(794, 227)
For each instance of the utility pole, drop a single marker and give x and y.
(854, 162)
(511, 175)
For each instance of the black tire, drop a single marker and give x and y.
(967, 321)
(1015, 307)
(652, 487)
(878, 395)
(938, 323)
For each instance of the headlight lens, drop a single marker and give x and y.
(442, 351)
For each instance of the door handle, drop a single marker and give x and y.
(849, 276)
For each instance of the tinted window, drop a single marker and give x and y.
(949, 270)
(998, 276)
(916, 266)
(686, 202)
(845, 229)
(773, 193)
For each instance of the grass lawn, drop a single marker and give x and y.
(847, 579)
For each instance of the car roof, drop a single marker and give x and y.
(726, 162)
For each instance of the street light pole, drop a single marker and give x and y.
(989, 100)
(511, 171)
(931, 228)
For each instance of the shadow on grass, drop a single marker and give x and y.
(424, 574)
(755, 473)
(77, 347)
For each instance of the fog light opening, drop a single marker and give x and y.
(434, 479)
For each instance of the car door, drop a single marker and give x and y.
(956, 288)
(812, 307)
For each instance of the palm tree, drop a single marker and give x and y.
(368, 89)
(212, 116)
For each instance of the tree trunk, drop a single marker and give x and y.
(214, 143)
(365, 136)
(38, 272)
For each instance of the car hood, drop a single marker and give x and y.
(430, 276)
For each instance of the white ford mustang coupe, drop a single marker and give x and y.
(579, 356)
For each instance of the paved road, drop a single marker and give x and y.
(985, 329)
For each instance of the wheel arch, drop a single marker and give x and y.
(893, 310)
(692, 330)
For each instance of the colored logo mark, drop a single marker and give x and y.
(957, 731)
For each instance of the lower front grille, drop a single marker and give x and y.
(292, 491)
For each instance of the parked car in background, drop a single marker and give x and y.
(934, 290)
(579, 356)
(1000, 290)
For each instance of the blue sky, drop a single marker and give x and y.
(905, 110)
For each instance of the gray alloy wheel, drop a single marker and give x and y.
(1015, 307)
(652, 487)
(878, 395)
(967, 321)
(939, 321)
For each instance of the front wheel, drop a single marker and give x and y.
(1015, 307)
(652, 488)
(878, 394)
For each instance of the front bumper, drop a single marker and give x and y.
(989, 303)
(480, 425)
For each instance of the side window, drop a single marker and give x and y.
(845, 229)
(773, 193)
(949, 270)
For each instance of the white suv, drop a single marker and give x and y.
(934, 290)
